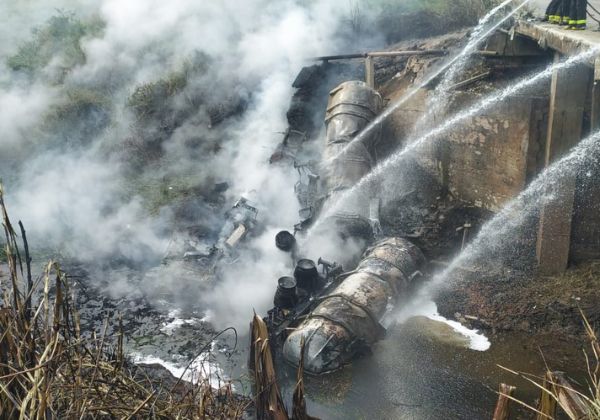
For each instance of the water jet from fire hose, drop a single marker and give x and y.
(457, 60)
(487, 102)
(442, 90)
(495, 235)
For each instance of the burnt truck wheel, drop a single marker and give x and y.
(285, 241)
(286, 296)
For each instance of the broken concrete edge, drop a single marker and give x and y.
(557, 38)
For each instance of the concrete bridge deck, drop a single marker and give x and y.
(559, 38)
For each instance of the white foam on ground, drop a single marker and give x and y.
(428, 309)
(200, 369)
(176, 322)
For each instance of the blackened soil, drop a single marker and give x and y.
(543, 307)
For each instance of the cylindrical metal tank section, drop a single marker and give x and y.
(349, 317)
(351, 107)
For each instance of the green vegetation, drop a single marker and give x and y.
(160, 107)
(414, 18)
(158, 193)
(154, 99)
(58, 39)
(53, 51)
(80, 114)
(151, 99)
(439, 7)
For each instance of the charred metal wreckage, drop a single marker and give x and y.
(345, 318)
(240, 221)
(338, 314)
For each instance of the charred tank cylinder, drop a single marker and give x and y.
(351, 107)
(348, 319)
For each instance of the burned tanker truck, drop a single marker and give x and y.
(337, 314)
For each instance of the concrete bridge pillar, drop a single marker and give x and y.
(569, 91)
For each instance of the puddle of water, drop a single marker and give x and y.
(414, 374)
(175, 322)
(178, 329)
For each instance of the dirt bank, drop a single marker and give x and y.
(540, 306)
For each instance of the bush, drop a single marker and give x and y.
(154, 99)
(81, 114)
(59, 38)
(398, 21)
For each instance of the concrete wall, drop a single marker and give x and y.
(585, 230)
(487, 159)
(490, 158)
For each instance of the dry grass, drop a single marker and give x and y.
(593, 368)
(49, 368)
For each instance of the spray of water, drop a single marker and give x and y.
(461, 57)
(494, 235)
(441, 98)
(485, 103)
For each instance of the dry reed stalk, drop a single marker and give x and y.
(557, 393)
(269, 403)
(502, 411)
(50, 369)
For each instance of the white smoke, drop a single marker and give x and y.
(22, 108)
(74, 198)
(17, 18)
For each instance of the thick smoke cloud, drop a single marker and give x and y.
(72, 189)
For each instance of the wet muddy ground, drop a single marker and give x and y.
(424, 370)
(421, 370)
(416, 373)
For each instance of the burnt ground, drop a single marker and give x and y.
(543, 307)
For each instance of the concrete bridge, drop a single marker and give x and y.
(574, 110)
(489, 159)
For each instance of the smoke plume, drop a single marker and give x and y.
(120, 117)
